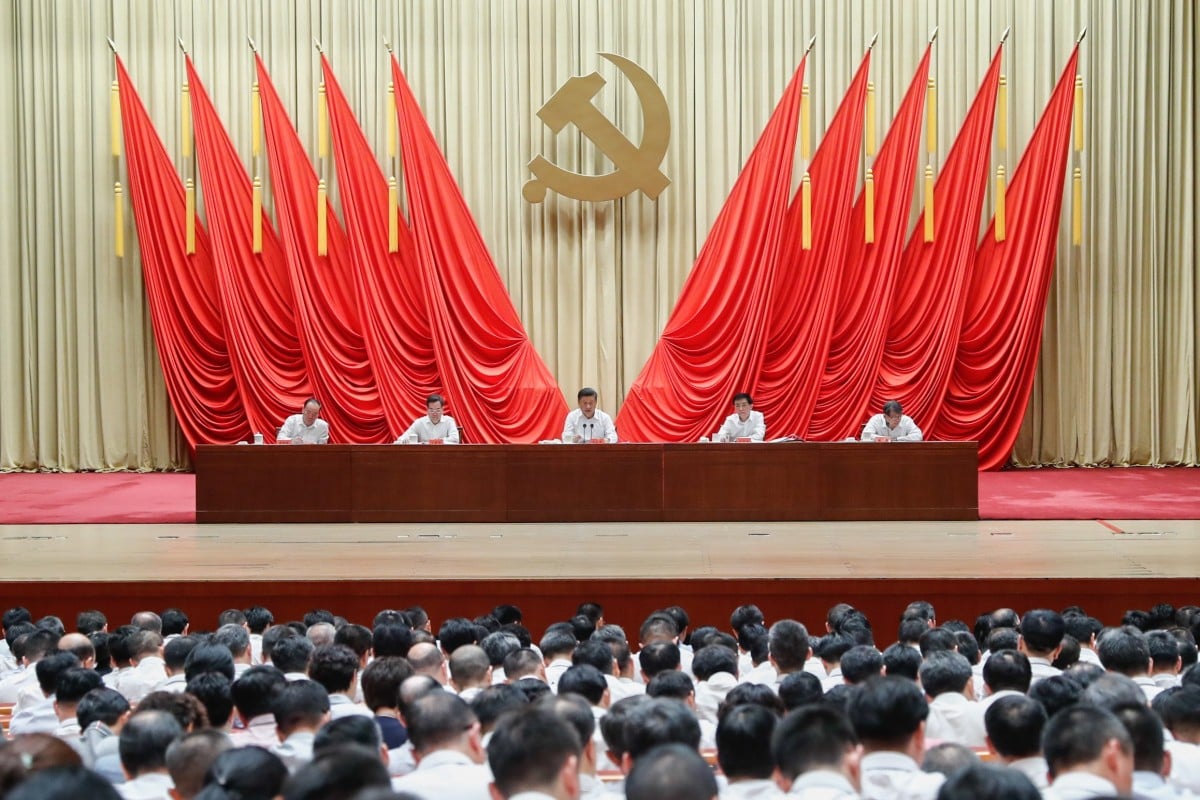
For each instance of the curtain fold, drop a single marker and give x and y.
(266, 350)
(181, 289)
(801, 316)
(1006, 303)
(391, 293)
(869, 286)
(923, 329)
(326, 310)
(713, 341)
(497, 385)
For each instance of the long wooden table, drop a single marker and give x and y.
(587, 483)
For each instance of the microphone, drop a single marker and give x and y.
(588, 431)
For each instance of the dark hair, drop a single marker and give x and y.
(1042, 630)
(49, 668)
(101, 705)
(437, 719)
(812, 738)
(935, 640)
(558, 643)
(456, 632)
(339, 773)
(586, 391)
(88, 622)
(708, 661)
(788, 645)
(861, 662)
(744, 742)
(902, 661)
(74, 683)
(659, 657)
(255, 691)
(214, 690)
(1124, 650)
(612, 724)
(1008, 669)
(258, 619)
(209, 658)
(498, 645)
(381, 682)
(491, 703)
(745, 615)
(144, 741)
(887, 710)
(389, 639)
(670, 771)
(743, 396)
(673, 684)
(892, 407)
(333, 666)
(751, 694)
(351, 729)
(174, 621)
(1146, 731)
(244, 773)
(528, 748)
(945, 671)
(1076, 736)
(800, 689)
(948, 758)
(292, 654)
(1056, 693)
(988, 782)
(660, 721)
(585, 680)
(31, 754)
(300, 703)
(64, 783)
(1014, 725)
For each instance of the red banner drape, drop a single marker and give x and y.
(326, 304)
(1006, 302)
(926, 315)
(256, 296)
(390, 289)
(181, 290)
(497, 385)
(713, 341)
(869, 275)
(801, 315)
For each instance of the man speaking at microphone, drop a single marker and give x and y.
(588, 423)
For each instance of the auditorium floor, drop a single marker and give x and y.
(962, 550)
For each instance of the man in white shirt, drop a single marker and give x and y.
(716, 670)
(743, 742)
(300, 709)
(1005, 673)
(149, 669)
(1041, 638)
(1166, 662)
(954, 716)
(891, 426)
(1089, 753)
(39, 716)
(447, 745)
(305, 427)
(1126, 652)
(24, 683)
(888, 714)
(745, 424)
(433, 428)
(1014, 726)
(670, 770)
(143, 745)
(335, 667)
(817, 754)
(534, 754)
(588, 423)
(1151, 763)
(470, 671)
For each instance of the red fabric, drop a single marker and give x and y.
(497, 385)
(1006, 303)
(326, 304)
(180, 289)
(713, 342)
(256, 296)
(800, 320)
(922, 337)
(390, 289)
(869, 275)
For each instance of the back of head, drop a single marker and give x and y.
(31, 753)
(438, 720)
(235, 637)
(1042, 630)
(595, 652)
(1014, 725)
(1008, 669)
(745, 615)
(530, 750)
(64, 783)
(521, 663)
(258, 619)
(1077, 736)
(300, 703)
(185, 707)
(800, 689)
(147, 621)
(381, 682)
(337, 774)
(144, 741)
(674, 684)
(354, 729)
(744, 742)
(255, 691)
(176, 651)
(901, 661)
(612, 724)
(1112, 691)
(659, 657)
(245, 773)
(658, 627)
(936, 640)
(710, 660)
(751, 694)
(573, 710)
(812, 738)
(1056, 693)
(1180, 711)
(291, 654)
(215, 691)
(1124, 650)
(1146, 731)
(947, 758)
(494, 701)
(671, 772)
(390, 639)
(469, 665)
(101, 705)
(887, 711)
(333, 666)
(660, 721)
(49, 668)
(584, 680)
(456, 632)
(74, 683)
(861, 662)
(189, 758)
(209, 658)
(788, 645)
(945, 671)
(988, 782)
(498, 645)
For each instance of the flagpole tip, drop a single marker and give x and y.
(317, 44)
(1004, 36)
(387, 45)
(811, 42)
(874, 38)
(1082, 34)
(182, 47)
(111, 44)
(933, 34)
(252, 45)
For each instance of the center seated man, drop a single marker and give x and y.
(306, 427)
(433, 428)
(893, 425)
(745, 424)
(588, 423)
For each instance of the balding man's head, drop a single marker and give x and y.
(427, 659)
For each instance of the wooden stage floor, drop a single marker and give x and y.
(792, 569)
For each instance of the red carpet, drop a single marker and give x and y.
(129, 497)
(122, 497)
(1078, 493)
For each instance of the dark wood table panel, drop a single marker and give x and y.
(585, 483)
(732, 482)
(899, 480)
(412, 483)
(274, 483)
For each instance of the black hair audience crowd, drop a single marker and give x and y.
(1044, 704)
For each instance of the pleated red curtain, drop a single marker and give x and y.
(713, 341)
(391, 292)
(326, 308)
(927, 309)
(1006, 302)
(800, 319)
(497, 385)
(868, 274)
(181, 289)
(265, 347)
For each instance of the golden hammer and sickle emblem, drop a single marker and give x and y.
(636, 165)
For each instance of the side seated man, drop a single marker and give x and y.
(433, 428)
(891, 426)
(306, 427)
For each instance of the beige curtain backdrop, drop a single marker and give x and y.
(80, 383)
